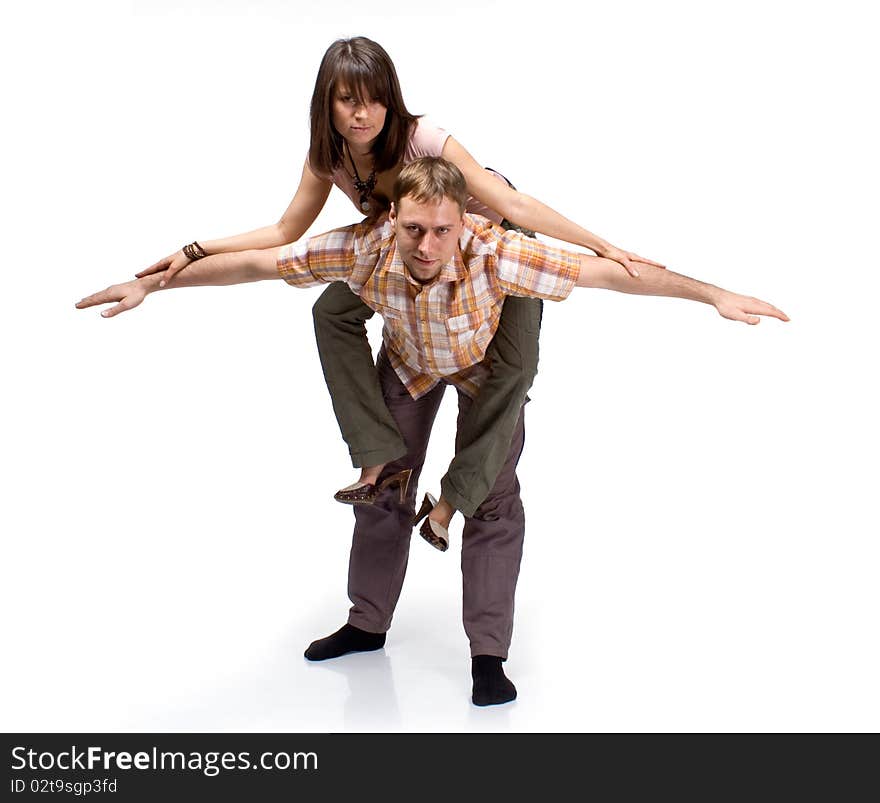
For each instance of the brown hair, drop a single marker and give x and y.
(367, 72)
(430, 179)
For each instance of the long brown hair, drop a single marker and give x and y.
(367, 71)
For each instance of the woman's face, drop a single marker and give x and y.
(359, 123)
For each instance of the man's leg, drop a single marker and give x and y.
(382, 531)
(491, 553)
(367, 426)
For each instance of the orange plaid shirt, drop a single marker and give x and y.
(438, 331)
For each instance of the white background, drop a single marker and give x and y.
(701, 551)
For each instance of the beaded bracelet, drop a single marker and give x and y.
(194, 251)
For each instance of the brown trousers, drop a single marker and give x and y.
(492, 540)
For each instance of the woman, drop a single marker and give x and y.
(361, 136)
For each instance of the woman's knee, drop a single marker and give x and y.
(513, 354)
(338, 306)
(516, 371)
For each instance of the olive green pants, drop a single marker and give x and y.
(484, 434)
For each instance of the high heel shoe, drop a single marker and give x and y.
(432, 531)
(367, 493)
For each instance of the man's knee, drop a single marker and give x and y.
(503, 503)
(488, 536)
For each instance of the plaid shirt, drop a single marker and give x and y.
(436, 331)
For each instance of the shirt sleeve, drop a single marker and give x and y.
(326, 258)
(527, 267)
(427, 140)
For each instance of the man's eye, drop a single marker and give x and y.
(443, 230)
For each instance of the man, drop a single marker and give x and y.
(439, 278)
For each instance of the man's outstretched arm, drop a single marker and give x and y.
(221, 269)
(606, 274)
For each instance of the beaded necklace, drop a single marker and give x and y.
(365, 188)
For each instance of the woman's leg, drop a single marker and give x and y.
(367, 427)
(486, 431)
(484, 435)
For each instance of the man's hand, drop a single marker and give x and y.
(129, 295)
(627, 259)
(746, 309)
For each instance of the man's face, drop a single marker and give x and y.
(360, 123)
(427, 235)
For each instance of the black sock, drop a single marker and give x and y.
(491, 685)
(347, 639)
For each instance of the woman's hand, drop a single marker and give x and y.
(129, 295)
(173, 264)
(626, 258)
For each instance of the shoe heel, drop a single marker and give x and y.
(435, 534)
(401, 479)
(427, 506)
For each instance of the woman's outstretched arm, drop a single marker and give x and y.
(530, 213)
(307, 203)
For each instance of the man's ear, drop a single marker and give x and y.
(392, 213)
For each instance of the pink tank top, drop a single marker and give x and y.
(426, 140)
